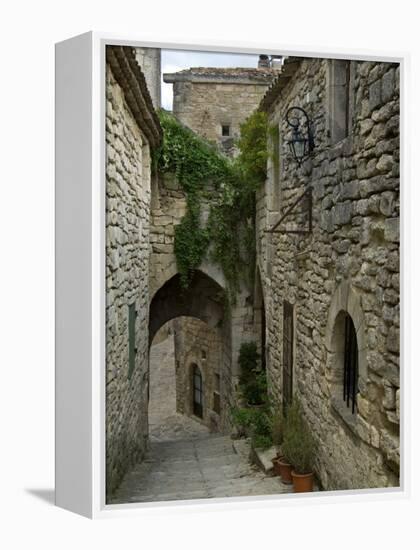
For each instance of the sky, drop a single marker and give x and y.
(177, 60)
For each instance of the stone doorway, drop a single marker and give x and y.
(166, 421)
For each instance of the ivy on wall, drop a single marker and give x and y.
(229, 234)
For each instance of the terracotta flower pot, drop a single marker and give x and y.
(285, 471)
(303, 483)
(276, 466)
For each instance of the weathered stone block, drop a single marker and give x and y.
(388, 85)
(385, 164)
(341, 213)
(374, 95)
(393, 340)
(392, 230)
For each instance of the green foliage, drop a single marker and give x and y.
(252, 145)
(256, 422)
(191, 242)
(277, 427)
(255, 390)
(252, 380)
(248, 361)
(242, 418)
(192, 159)
(298, 444)
(231, 233)
(229, 236)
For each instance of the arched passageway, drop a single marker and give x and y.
(169, 391)
(203, 299)
(201, 336)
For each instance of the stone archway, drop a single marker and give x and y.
(200, 312)
(203, 299)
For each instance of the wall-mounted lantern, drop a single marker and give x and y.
(302, 142)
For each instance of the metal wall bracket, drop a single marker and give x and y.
(305, 197)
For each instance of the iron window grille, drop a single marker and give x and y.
(351, 365)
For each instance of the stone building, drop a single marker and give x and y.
(213, 102)
(149, 60)
(328, 255)
(203, 303)
(132, 129)
(325, 308)
(198, 359)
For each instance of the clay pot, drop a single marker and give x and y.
(285, 471)
(303, 483)
(276, 466)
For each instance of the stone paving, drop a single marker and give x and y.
(164, 422)
(184, 460)
(205, 467)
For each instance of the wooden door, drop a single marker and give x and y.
(197, 392)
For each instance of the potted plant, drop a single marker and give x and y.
(277, 436)
(261, 429)
(252, 380)
(299, 448)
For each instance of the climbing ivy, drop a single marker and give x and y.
(229, 235)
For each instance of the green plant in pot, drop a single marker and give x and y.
(261, 429)
(252, 380)
(299, 448)
(277, 428)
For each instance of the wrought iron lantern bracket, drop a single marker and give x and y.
(306, 198)
(301, 145)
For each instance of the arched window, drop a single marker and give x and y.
(350, 366)
(197, 391)
(346, 364)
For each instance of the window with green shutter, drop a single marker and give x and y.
(132, 349)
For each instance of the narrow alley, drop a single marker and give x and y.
(184, 460)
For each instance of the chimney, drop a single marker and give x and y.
(276, 61)
(264, 62)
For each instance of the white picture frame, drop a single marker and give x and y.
(80, 268)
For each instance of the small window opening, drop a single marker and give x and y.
(197, 392)
(225, 130)
(132, 349)
(350, 371)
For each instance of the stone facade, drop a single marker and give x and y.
(214, 102)
(344, 262)
(348, 263)
(198, 344)
(131, 130)
(149, 60)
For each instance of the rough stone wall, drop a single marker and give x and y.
(149, 60)
(127, 259)
(206, 106)
(197, 343)
(350, 262)
(169, 205)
